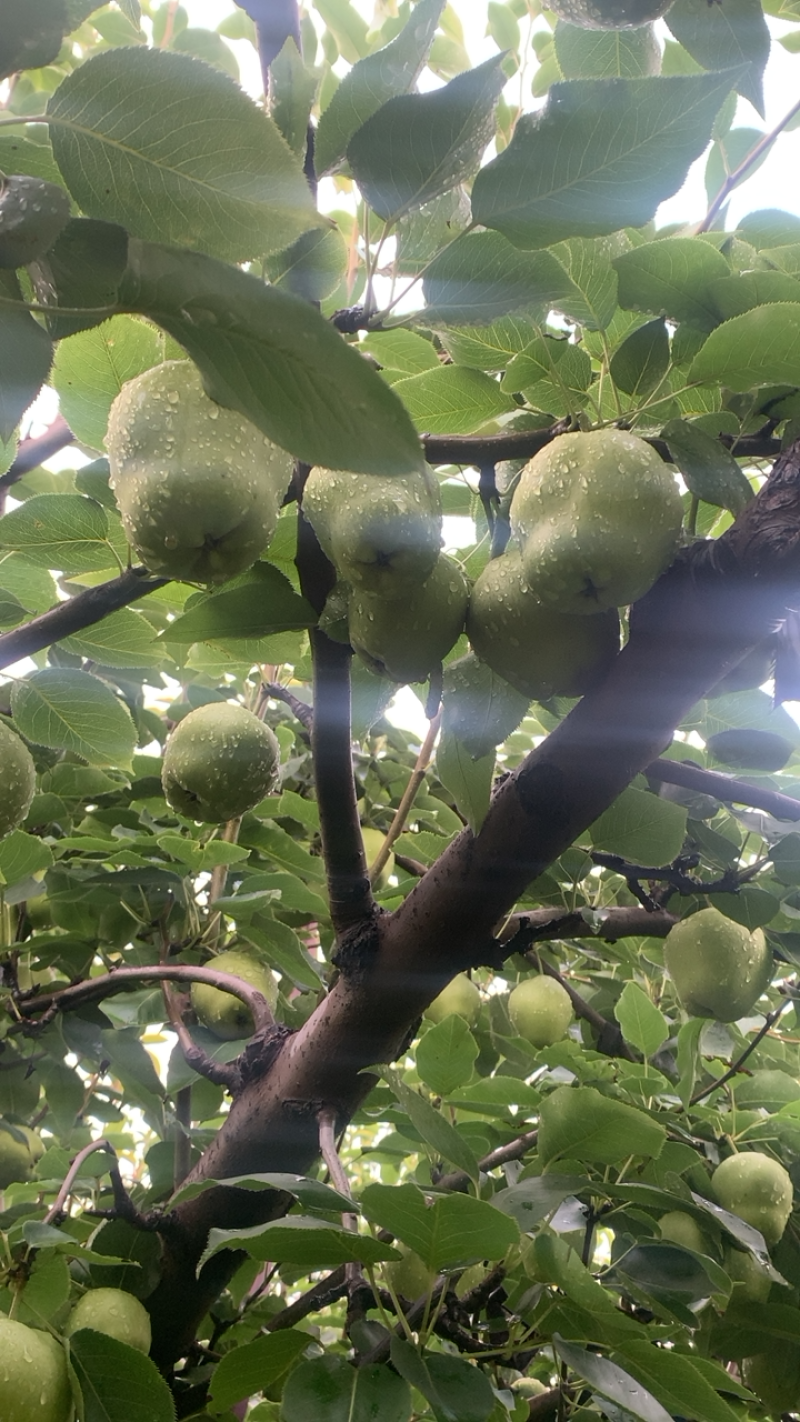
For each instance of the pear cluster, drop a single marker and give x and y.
(595, 520)
(199, 488)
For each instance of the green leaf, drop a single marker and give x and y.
(673, 1378)
(91, 368)
(641, 827)
(308, 1243)
(373, 80)
(253, 1367)
(480, 709)
(606, 54)
(264, 602)
(488, 347)
(468, 780)
(83, 268)
(312, 1194)
(418, 146)
(642, 1024)
(709, 469)
(64, 531)
(761, 347)
(639, 365)
(481, 276)
(552, 359)
(452, 399)
(739, 35)
(601, 155)
(118, 1383)
(403, 352)
(612, 1382)
(347, 27)
(292, 90)
(445, 1055)
(733, 295)
(439, 1135)
(71, 710)
(589, 289)
(464, 1393)
(21, 856)
(208, 169)
(26, 354)
(581, 1124)
(330, 1389)
(455, 1230)
(31, 36)
(122, 639)
(275, 359)
(672, 276)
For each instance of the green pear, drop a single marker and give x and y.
(676, 1227)
(410, 1276)
(34, 1382)
(460, 998)
(219, 761)
(719, 968)
(597, 517)
(383, 534)
(610, 14)
(539, 651)
(32, 213)
(222, 1013)
(115, 1313)
(17, 780)
(407, 641)
(199, 488)
(540, 1010)
(750, 1283)
(20, 1148)
(756, 1188)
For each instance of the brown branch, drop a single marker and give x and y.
(501, 1155)
(77, 613)
(34, 450)
(327, 1291)
(744, 167)
(724, 787)
(72, 1174)
(546, 924)
(736, 1066)
(300, 709)
(349, 888)
(482, 450)
(409, 795)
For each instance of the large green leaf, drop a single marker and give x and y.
(452, 399)
(26, 354)
(263, 602)
(309, 1243)
(122, 639)
(735, 33)
(761, 347)
(481, 276)
(118, 1383)
(641, 1022)
(675, 1381)
(252, 1367)
(330, 1389)
(275, 359)
(91, 368)
(612, 1382)
(418, 146)
(579, 1123)
(454, 1230)
(601, 155)
(64, 531)
(606, 54)
(468, 780)
(378, 77)
(442, 1138)
(71, 710)
(641, 827)
(672, 277)
(176, 152)
(709, 469)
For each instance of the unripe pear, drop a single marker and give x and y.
(219, 761)
(538, 651)
(676, 1227)
(597, 518)
(406, 642)
(460, 998)
(115, 1313)
(32, 213)
(199, 488)
(541, 1010)
(609, 14)
(719, 969)
(34, 1382)
(383, 534)
(774, 1377)
(17, 780)
(756, 1188)
(20, 1148)
(750, 1283)
(222, 1013)
(410, 1276)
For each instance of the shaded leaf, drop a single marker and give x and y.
(118, 1383)
(329, 1389)
(71, 710)
(672, 277)
(709, 469)
(733, 34)
(264, 602)
(468, 780)
(761, 347)
(581, 1124)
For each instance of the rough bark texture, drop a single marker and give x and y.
(713, 605)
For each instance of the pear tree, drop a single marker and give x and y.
(399, 773)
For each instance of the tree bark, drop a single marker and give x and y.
(715, 603)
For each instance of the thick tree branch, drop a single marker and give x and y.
(725, 787)
(342, 845)
(482, 450)
(77, 613)
(716, 603)
(34, 450)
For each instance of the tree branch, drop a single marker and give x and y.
(409, 795)
(725, 787)
(482, 450)
(342, 845)
(77, 613)
(744, 167)
(34, 450)
(736, 1066)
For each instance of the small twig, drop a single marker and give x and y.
(746, 164)
(411, 866)
(735, 1067)
(300, 709)
(501, 1155)
(723, 787)
(57, 1207)
(409, 795)
(84, 610)
(672, 874)
(327, 1291)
